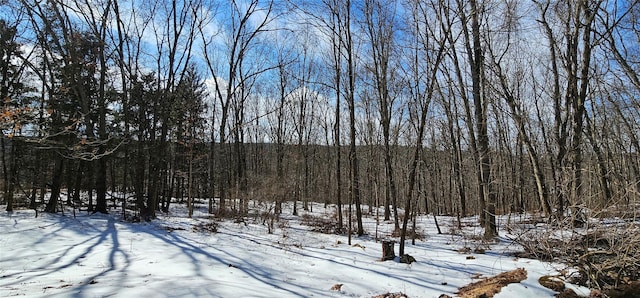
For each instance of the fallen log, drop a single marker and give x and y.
(490, 286)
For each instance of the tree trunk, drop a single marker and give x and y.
(353, 154)
(56, 182)
(388, 250)
(101, 186)
(8, 180)
(480, 101)
(518, 117)
(602, 167)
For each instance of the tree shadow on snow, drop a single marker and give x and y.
(226, 260)
(62, 255)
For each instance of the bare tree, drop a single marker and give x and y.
(347, 41)
(234, 77)
(576, 26)
(459, 86)
(380, 28)
(621, 33)
(334, 25)
(174, 25)
(425, 64)
(471, 17)
(511, 82)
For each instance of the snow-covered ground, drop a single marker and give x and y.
(174, 256)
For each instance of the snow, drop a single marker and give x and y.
(97, 255)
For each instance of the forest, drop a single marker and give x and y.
(253, 136)
(433, 106)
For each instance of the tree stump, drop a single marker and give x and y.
(388, 252)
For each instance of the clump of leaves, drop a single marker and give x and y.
(209, 227)
(407, 259)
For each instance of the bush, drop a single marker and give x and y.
(605, 255)
(320, 224)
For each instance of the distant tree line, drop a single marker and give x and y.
(444, 106)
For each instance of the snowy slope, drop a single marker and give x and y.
(100, 256)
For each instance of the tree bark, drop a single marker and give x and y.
(56, 182)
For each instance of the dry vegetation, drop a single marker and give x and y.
(603, 254)
(322, 224)
(391, 295)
